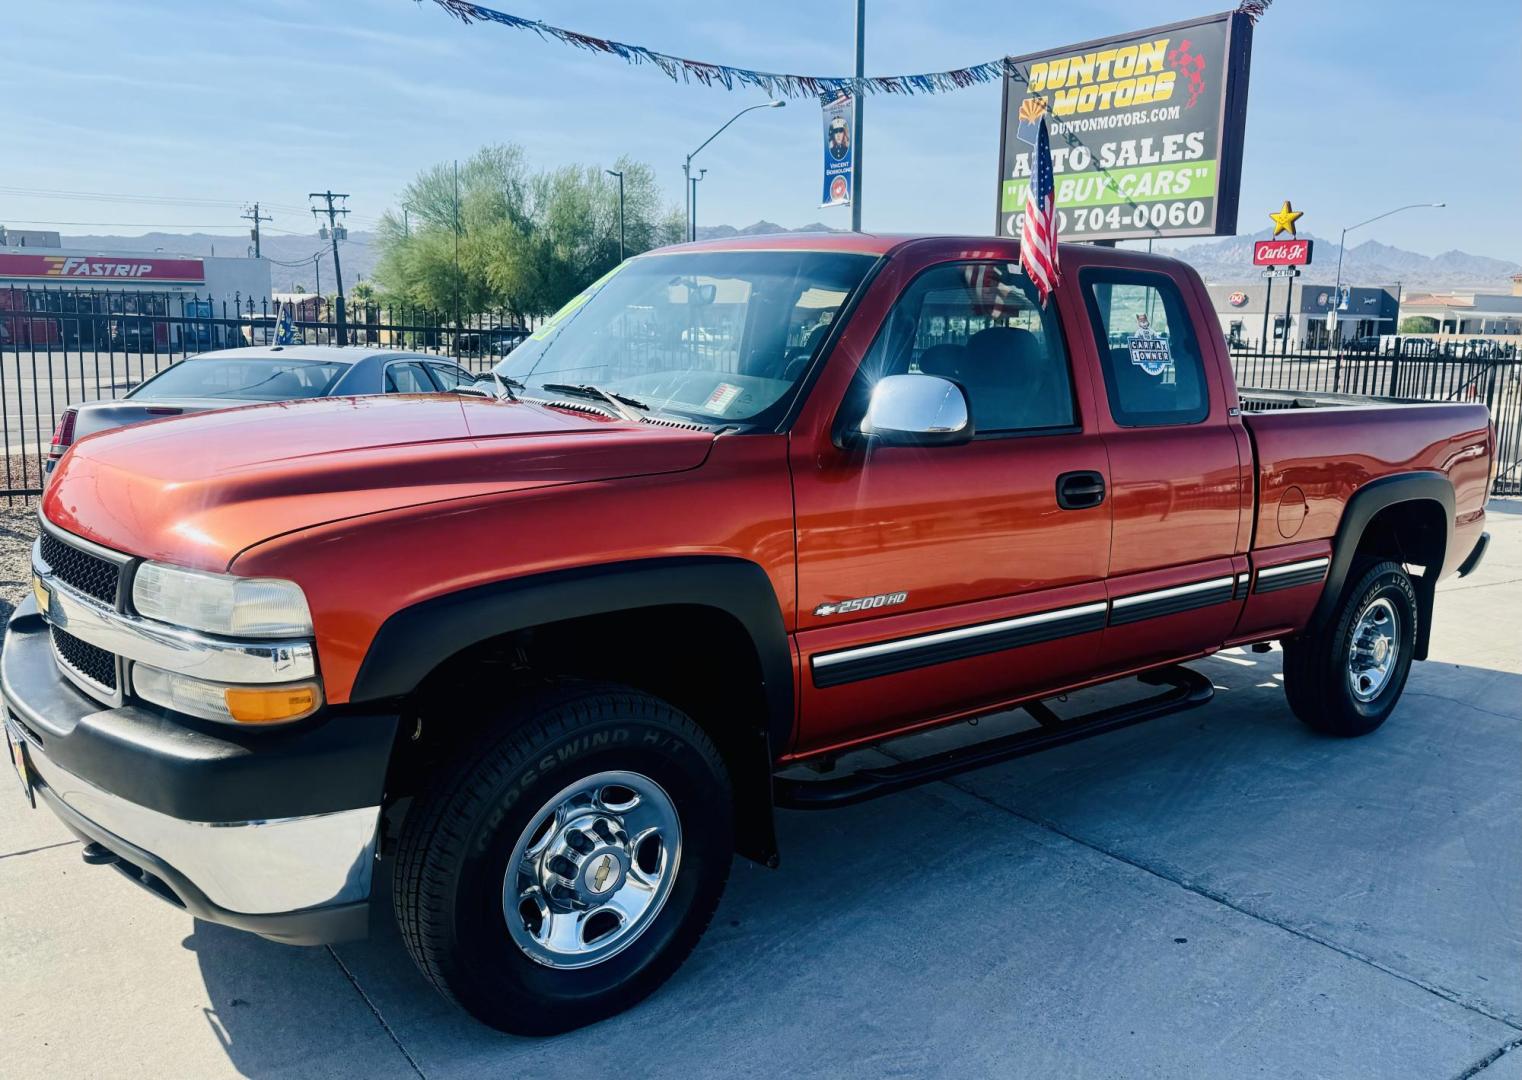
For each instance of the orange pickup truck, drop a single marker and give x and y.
(546, 650)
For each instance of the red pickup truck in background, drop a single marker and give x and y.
(553, 647)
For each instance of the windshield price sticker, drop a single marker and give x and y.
(722, 398)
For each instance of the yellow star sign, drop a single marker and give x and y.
(1284, 220)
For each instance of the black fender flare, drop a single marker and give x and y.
(414, 641)
(1363, 506)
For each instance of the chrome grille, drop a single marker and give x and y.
(80, 570)
(89, 661)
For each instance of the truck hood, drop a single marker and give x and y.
(196, 490)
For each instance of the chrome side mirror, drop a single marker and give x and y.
(917, 410)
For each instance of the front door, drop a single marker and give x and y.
(937, 581)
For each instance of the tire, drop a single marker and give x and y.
(1329, 687)
(451, 890)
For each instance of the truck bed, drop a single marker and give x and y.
(1315, 450)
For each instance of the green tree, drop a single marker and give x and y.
(506, 239)
(1418, 324)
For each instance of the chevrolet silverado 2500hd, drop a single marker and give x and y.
(551, 649)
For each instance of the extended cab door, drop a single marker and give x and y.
(1177, 481)
(936, 581)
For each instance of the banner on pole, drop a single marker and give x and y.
(839, 150)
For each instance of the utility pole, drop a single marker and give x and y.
(620, 174)
(251, 213)
(856, 104)
(336, 232)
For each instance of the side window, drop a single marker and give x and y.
(980, 325)
(1153, 368)
(448, 376)
(407, 378)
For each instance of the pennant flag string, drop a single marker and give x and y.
(777, 84)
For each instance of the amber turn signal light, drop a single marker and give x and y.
(248, 705)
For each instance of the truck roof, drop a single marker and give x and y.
(864, 243)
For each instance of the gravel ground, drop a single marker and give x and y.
(18, 528)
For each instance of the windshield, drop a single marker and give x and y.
(717, 337)
(243, 379)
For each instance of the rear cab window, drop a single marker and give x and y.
(1154, 371)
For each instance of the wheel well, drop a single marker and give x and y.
(699, 659)
(1414, 532)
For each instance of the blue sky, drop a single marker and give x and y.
(1355, 107)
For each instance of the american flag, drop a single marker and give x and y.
(1038, 236)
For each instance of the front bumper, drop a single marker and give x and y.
(273, 832)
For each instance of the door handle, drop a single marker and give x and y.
(1080, 490)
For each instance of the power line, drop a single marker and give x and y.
(108, 196)
(125, 224)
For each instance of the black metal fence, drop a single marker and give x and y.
(60, 347)
(1411, 369)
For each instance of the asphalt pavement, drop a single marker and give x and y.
(1219, 893)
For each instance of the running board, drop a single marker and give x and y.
(1187, 689)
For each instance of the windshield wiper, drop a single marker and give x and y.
(622, 404)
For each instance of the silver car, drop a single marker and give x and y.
(231, 377)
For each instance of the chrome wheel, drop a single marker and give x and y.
(592, 870)
(1373, 650)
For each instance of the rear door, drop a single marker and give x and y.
(1177, 481)
(936, 581)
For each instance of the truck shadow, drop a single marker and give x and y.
(1026, 912)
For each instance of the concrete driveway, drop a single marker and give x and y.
(1215, 894)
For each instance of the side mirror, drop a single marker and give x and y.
(918, 410)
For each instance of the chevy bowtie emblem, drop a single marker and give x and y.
(602, 873)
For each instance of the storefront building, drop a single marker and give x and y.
(85, 299)
(1370, 312)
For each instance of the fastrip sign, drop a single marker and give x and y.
(101, 269)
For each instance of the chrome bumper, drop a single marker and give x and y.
(245, 867)
(275, 834)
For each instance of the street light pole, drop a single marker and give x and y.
(1341, 244)
(687, 165)
(857, 103)
(692, 185)
(620, 174)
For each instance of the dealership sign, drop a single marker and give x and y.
(1146, 131)
(1281, 253)
(101, 269)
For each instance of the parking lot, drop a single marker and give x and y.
(1218, 893)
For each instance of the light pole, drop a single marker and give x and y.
(687, 165)
(692, 202)
(1341, 244)
(620, 174)
(856, 102)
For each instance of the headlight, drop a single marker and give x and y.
(221, 603)
(218, 701)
